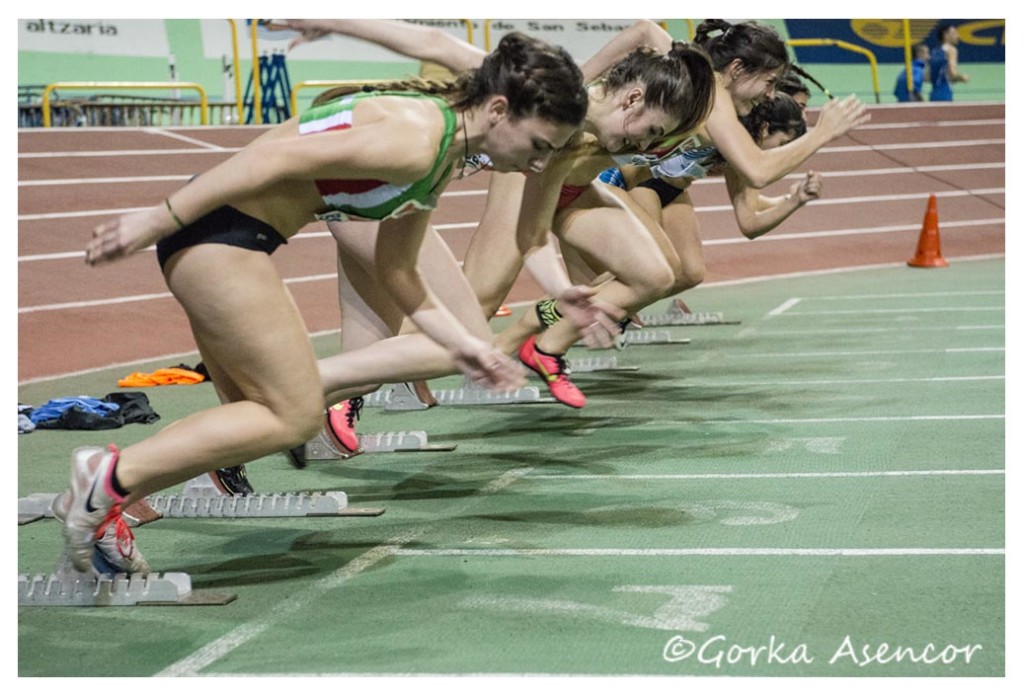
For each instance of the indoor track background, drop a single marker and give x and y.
(829, 468)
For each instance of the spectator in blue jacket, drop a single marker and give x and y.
(919, 69)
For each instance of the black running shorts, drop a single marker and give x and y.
(666, 192)
(225, 225)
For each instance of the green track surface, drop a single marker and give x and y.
(826, 475)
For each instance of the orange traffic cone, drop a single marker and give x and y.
(929, 250)
(503, 311)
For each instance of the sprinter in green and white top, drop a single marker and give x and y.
(524, 103)
(374, 199)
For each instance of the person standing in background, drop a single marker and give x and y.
(945, 67)
(919, 70)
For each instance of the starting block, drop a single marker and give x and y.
(649, 337)
(599, 364)
(321, 448)
(73, 589)
(475, 396)
(683, 319)
(35, 507)
(406, 397)
(201, 499)
(401, 396)
(328, 504)
(679, 314)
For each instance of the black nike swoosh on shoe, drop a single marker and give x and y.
(88, 498)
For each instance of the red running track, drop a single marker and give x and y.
(72, 318)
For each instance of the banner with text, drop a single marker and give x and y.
(981, 40)
(105, 37)
(582, 38)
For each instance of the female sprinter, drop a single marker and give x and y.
(748, 59)
(645, 96)
(384, 154)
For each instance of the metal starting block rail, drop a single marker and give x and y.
(321, 447)
(72, 589)
(35, 507)
(600, 364)
(649, 337)
(199, 500)
(672, 318)
(328, 504)
(400, 397)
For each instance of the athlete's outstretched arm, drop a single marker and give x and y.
(413, 40)
(762, 167)
(758, 214)
(642, 33)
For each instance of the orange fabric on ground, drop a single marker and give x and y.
(165, 376)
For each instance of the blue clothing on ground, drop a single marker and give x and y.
(55, 407)
(917, 75)
(941, 89)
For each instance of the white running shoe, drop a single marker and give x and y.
(96, 536)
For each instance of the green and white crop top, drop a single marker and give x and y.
(370, 199)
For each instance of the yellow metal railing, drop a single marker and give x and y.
(469, 30)
(236, 69)
(324, 84)
(48, 91)
(846, 47)
(257, 98)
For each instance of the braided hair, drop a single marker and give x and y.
(539, 80)
(791, 84)
(756, 46)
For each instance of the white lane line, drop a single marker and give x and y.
(79, 213)
(126, 153)
(183, 138)
(310, 596)
(796, 552)
(934, 124)
(829, 271)
(851, 231)
(906, 310)
(700, 209)
(784, 307)
(915, 146)
(903, 329)
(852, 419)
(836, 174)
(57, 256)
(795, 475)
(149, 297)
(848, 353)
(217, 649)
(105, 180)
(889, 198)
(206, 150)
(834, 382)
(900, 295)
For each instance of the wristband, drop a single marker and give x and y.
(177, 220)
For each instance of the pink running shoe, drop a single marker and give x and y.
(553, 371)
(341, 425)
(91, 513)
